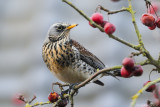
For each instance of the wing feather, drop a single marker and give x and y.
(87, 56)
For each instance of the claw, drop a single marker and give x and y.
(68, 91)
(64, 92)
(72, 86)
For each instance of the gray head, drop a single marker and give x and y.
(58, 31)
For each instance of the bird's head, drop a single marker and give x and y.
(59, 31)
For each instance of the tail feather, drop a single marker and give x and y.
(114, 74)
(99, 82)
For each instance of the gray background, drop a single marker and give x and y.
(23, 26)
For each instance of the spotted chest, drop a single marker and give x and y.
(59, 55)
(64, 61)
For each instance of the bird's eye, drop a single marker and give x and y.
(60, 28)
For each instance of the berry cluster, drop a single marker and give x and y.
(149, 20)
(53, 97)
(109, 28)
(130, 69)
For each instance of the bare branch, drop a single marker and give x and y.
(112, 12)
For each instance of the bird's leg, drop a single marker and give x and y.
(60, 85)
(63, 92)
(68, 91)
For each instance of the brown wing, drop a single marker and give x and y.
(87, 56)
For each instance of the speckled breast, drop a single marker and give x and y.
(63, 60)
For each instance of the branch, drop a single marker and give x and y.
(48, 102)
(136, 96)
(93, 76)
(124, 42)
(112, 12)
(71, 100)
(56, 103)
(130, 9)
(37, 104)
(159, 58)
(99, 27)
(144, 62)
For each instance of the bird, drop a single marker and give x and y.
(67, 59)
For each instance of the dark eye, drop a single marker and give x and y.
(60, 28)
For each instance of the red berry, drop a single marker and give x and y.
(125, 73)
(97, 18)
(128, 63)
(17, 99)
(104, 22)
(152, 27)
(138, 71)
(63, 102)
(53, 97)
(151, 88)
(158, 22)
(148, 19)
(109, 28)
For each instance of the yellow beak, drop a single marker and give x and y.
(72, 26)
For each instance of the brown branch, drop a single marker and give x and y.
(94, 76)
(60, 85)
(71, 100)
(112, 12)
(34, 97)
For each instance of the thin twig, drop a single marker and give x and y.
(71, 100)
(96, 74)
(135, 54)
(60, 85)
(57, 102)
(130, 9)
(124, 42)
(159, 58)
(136, 96)
(151, 72)
(145, 62)
(37, 104)
(112, 12)
(34, 97)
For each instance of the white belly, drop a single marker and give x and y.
(75, 73)
(68, 75)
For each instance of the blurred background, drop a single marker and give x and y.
(23, 27)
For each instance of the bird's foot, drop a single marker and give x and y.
(68, 91)
(63, 92)
(72, 87)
